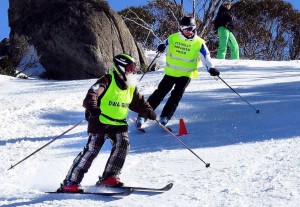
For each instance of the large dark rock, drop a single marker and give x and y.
(76, 39)
(4, 48)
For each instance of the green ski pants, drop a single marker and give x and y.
(227, 38)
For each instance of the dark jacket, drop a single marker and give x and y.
(224, 18)
(92, 101)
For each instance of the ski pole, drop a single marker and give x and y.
(46, 144)
(158, 53)
(167, 130)
(257, 111)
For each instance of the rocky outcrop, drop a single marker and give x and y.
(75, 39)
(4, 48)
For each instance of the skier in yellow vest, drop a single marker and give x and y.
(184, 51)
(107, 103)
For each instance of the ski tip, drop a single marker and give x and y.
(169, 186)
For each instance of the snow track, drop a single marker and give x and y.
(255, 159)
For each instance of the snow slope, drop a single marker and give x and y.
(255, 159)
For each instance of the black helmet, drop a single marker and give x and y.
(188, 23)
(123, 63)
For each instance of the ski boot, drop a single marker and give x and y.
(164, 120)
(140, 121)
(70, 187)
(109, 182)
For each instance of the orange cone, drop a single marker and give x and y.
(182, 128)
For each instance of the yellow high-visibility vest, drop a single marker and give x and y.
(115, 103)
(183, 58)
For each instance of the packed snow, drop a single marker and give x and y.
(254, 157)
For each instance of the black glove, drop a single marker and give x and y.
(95, 111)
(151, 114)
(87, 115)
(161, 48)
(213, 72)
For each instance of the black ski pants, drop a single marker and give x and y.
(164, 87)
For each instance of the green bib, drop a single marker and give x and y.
(114, 104)
(182, 58)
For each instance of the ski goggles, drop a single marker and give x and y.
(188, 28)
(131, 68)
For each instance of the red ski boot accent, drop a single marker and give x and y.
(110, 182)
(70, 187)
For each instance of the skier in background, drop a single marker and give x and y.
(224, 24)
(107, 103)
(184, 50)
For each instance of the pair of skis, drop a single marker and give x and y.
(122, 191)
